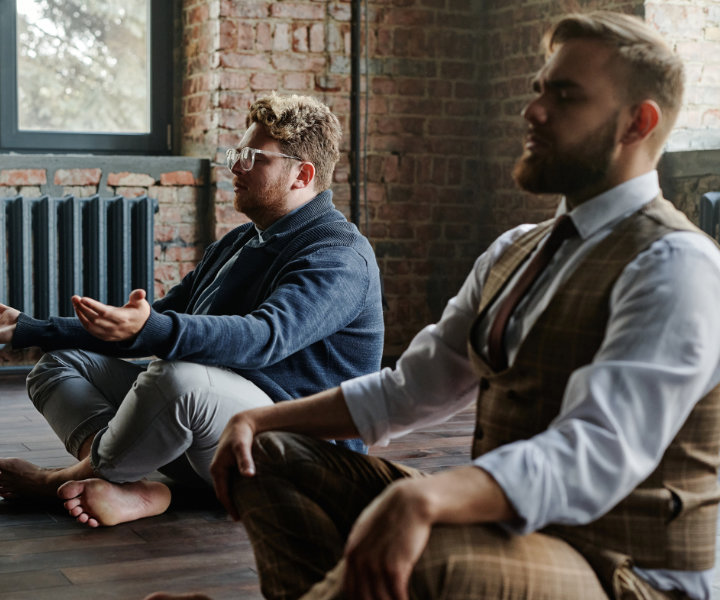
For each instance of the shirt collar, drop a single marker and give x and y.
(613, 205)
(265, 234)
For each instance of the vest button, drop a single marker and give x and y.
(478, 434)
(512, 395)
(484, 384)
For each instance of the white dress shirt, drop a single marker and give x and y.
(660, 355)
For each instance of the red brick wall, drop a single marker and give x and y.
(422, 151)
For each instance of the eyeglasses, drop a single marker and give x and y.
(246, 157)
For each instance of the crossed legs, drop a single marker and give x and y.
(306, 495)
(122, 423)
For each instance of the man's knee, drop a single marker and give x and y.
(286, 450)
(173, 377)
(52, 368)
(172, 383)
(180, 381)
(274, 450)
(485, 561)
(285, 460)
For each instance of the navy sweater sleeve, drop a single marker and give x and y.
(62, 333)
(314, 296)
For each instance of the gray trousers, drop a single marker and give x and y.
(169, 416)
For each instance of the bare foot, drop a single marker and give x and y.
(98, 502)
(166, 596)
(22, 479)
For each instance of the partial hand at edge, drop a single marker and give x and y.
(233, 455)
(113, 323)
(8, 322)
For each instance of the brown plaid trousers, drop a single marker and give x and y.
(299, 508)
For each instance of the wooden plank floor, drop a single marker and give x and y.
(46, 555)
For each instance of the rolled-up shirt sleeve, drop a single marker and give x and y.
(619, 413)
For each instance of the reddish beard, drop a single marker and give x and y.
(267, 203)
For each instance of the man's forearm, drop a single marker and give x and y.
(323, 415)
(465, 495)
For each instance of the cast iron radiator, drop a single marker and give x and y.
(710, 214)
(52, 248)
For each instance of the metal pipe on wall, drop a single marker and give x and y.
(355, 113)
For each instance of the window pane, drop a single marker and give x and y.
(83, 66)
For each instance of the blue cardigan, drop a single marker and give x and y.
(295, 315)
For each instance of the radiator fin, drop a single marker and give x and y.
(52, 248)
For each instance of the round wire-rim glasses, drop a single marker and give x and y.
(246, 157)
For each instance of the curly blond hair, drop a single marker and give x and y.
(305, 127)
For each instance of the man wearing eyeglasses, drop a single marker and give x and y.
(286, 305)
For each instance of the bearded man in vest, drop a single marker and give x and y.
(594, 471)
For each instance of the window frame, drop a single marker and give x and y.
(157, 141)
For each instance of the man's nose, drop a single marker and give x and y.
(535, 111)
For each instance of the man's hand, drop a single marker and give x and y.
(232, 455)
(322, 415)
(8, 321)
(113, 323)
(391, 533)
(386, 541)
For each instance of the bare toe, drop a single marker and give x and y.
(70, 489)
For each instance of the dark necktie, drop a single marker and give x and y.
(562, 230)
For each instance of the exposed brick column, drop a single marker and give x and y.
(423, 178)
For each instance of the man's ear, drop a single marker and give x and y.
(645, 118)
(305, 176)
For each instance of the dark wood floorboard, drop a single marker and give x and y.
(46, 555)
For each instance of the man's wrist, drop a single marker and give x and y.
(419, 498)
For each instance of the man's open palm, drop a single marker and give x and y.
(113, 323)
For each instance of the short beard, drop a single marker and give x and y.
(266, 204)
(585, 166)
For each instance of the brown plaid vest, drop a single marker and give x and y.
(668, 521)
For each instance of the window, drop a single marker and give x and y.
(86, 76)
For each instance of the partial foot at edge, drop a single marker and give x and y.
(22, 479)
